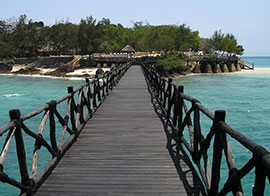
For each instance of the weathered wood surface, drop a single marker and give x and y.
(123, 150)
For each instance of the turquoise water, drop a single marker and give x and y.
(260, 62)
(246, 100)
(245, 97)
(27, 94)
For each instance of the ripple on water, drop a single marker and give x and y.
(245, 98)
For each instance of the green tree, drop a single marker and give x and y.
(116, 37)
(27, 36)
(230, 45)
(206, 45)
(7, 44)
(186, 38)
(139, 37)
(90, 36)
(170, 62)
(226, 43)
(105, 22)
(63, 38)
(165, 37)
(216, 40)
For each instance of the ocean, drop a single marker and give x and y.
(244, 97)
(27, 94)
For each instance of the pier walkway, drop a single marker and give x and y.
(124, 150)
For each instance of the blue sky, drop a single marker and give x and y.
(248, 20)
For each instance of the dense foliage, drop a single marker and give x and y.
(225, 43)
(171, 62)
(23, 37)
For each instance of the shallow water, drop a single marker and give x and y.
(246, 100)
(245, 97)
(27, 94)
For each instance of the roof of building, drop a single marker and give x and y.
(127, 48)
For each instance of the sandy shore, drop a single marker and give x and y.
(255, 71)
(89, 71)
(17, 68)
(75, 73)
(92, 71)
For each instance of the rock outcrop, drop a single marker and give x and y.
(28, 70)
(197, 69)
(217, 68)
(61, 71)
(238, 67)
(232, 67)
(208, 69)
(5, 68)
(224, 68)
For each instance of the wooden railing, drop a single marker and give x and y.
(247, 64)
(178, 109)
(81, 104)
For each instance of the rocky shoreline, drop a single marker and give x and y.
(50, 67)
(80, 66)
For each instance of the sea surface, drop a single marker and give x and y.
(246, 100)
(27, 94)
(244, 97)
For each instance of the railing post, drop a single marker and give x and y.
(52, 105)
(180, 109)
(176, 105)
(107, 84)
(111, 80)
(72, 117)
(16, 115)
(80, 107)
(217, 153)
(98, 88)
(94, 95)
(158, 87)
(260, 173)
(169, 99)
(88, 97)
(197, 130)
(103, 87)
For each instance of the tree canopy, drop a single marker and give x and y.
(24, 37)
(226, 43)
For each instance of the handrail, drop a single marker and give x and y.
(250, 66)
(78, 112)
(173, 102)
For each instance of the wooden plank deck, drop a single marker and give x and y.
(123, 150)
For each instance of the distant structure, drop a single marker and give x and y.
(129, 50)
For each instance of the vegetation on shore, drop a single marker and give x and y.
(170, 63)
(24, 37)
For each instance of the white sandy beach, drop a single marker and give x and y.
(75, 73)
(89, 71)
(17, 68)
(255, 71)
(92, 71)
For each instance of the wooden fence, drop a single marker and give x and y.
(81, 104)
(179, 114)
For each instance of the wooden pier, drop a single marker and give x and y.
(123, 150)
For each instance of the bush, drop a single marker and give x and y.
(170, 63)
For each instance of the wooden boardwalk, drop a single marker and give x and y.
(123, 150)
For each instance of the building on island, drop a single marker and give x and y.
(128, 50)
